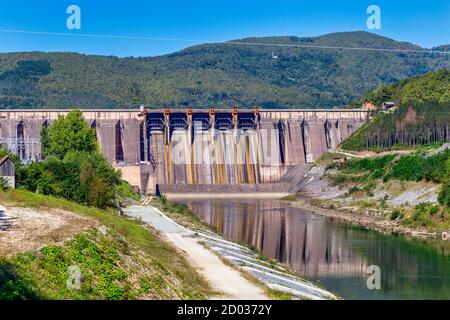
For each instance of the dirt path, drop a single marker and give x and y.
(222, 277)
(368, 154)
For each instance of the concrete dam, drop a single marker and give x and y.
(198, 151)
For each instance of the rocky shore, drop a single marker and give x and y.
(365, 217)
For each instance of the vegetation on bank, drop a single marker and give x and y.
(180, 213)
(123, 261)
(221, 75)
(420, 122)
(73, 167)
(414, 167)
(363, 176)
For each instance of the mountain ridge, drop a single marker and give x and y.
(222, 74)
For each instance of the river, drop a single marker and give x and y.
(333, 253)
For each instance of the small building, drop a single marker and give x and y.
(369, 106)
(389, 106)
(339, 159)
(7, 170)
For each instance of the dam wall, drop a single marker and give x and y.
(174, 147)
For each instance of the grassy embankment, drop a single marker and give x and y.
(391, 174)
(123, 261)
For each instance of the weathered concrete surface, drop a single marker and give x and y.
(131, 174)
(225, 188)
(218, 147)
(218, 191)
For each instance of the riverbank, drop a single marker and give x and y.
(331, 253)
(389, 193)
(367, 218)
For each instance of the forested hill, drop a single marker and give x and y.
(445, 48)
(422, 118)
(432, 86)
(222, 75)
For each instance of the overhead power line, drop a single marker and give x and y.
(244, 43)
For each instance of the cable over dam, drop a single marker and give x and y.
(197, 151)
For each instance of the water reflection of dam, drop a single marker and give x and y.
(333, 252)
(195, 147)
(306, 242)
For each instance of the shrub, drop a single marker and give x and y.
(83, 177)
(4, 184)
(369, 187)
(444, 195)
(396, 214)
(408, 168)
(435, 166)
(353, 190)
(376, 164)
(432, 210)
(163, 199)
(420, 215)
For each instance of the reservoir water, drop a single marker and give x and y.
(333, 253)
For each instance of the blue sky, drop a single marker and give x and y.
(426, 23)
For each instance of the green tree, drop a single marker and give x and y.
(4, 184)
(444, 194)
(69, 133)
(134, 94)
(73, 167)
(83, 177)
(44, 139)
(98, 181)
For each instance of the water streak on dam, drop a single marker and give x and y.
(189, 150)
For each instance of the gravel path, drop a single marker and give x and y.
(224, 278)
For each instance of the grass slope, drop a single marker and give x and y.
(127, 261)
